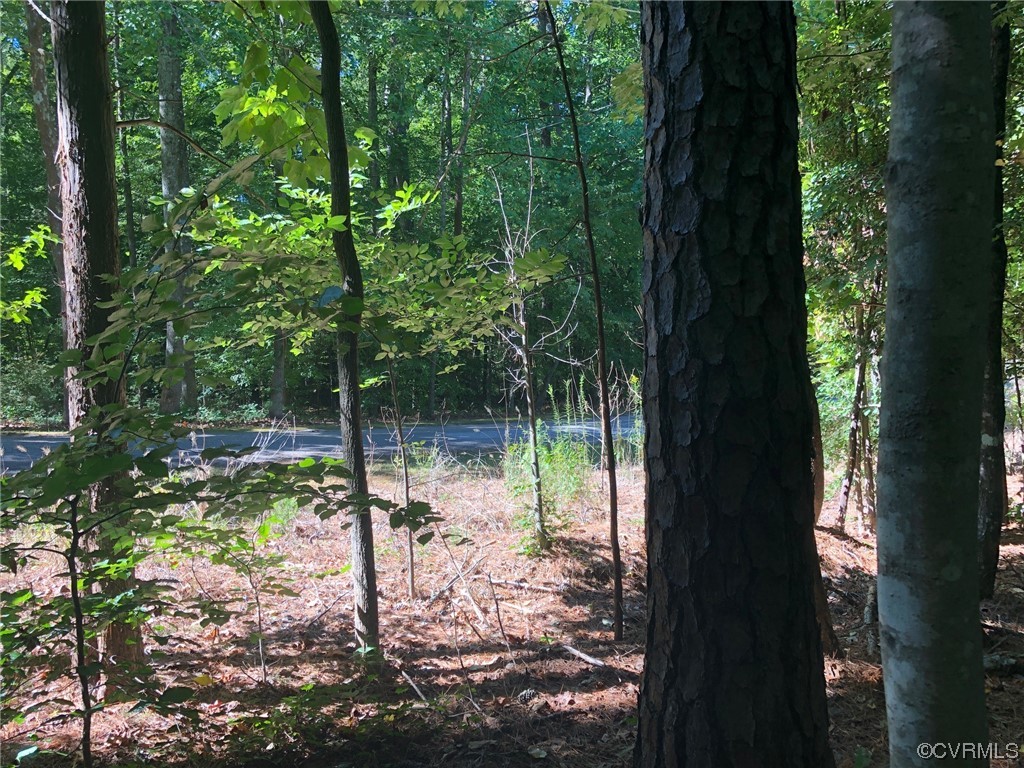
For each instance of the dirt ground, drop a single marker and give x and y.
(502, 659)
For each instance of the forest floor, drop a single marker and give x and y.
(504, 658)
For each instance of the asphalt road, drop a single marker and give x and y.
(19, 449)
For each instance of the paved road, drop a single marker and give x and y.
(19, 449)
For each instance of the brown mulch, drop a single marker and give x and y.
(510, 663)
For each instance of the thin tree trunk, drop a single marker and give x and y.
(867, 458)
(939, 201)
(403, 454)
(277, 378)
(853, 443)
(457, 181)
(607, 437)
(540, 533)
(374, 119)
(818, 462)
(993, 502)
(364, 573)
(176, 392)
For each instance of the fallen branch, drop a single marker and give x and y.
(524, 585)
(583, 657)
(414, 686)
(462, 574)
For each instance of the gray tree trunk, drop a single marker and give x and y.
(939, 200)
(277, 378)
(178, 391)
(993, 503)
(40, 65)
(364, 573)
(733, 674)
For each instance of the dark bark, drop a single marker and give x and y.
(607, 439)
(733, 673)
(85, 156)
(939, 200)
(993, 503)
(178, 390)
(364, 574)
(869, 513)
(372, 116)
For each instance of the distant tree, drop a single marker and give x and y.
(939, 201)
(992, 502)
(179, 389)
(733, 673)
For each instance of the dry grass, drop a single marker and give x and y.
(488, 627)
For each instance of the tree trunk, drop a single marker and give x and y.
(46, 123)
(277, 378)
(373, 118)
(91, 253)
(178, 390)
(364, 573)
(607, 438)
(540, 533)
(733, 673)
(939, 200)
(457, 180)
(544, 26)
(993, 503)
(818, 462)
(853, 443)
(867, 458)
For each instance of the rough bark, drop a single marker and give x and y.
(88, 189)
(993, 503)
(939, 201)
(177, 391)
(607, 439)
(733, 673)
(364, 574)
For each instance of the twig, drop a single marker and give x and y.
(583, 657)
(322, 613)
(414, 686)
(167, 126)
(461, 574)
(501, 626)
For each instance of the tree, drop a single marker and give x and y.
(939, 201)
(733, 672)
(364, 575)
(992, 502)
(178, 390)
(85, 153)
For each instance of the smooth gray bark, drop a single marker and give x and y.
(177, 392)
(939, 200)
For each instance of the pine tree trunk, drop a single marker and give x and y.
(91, 252)
(939, 200)
(364, 573)
(733, 673)
(993, 502)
